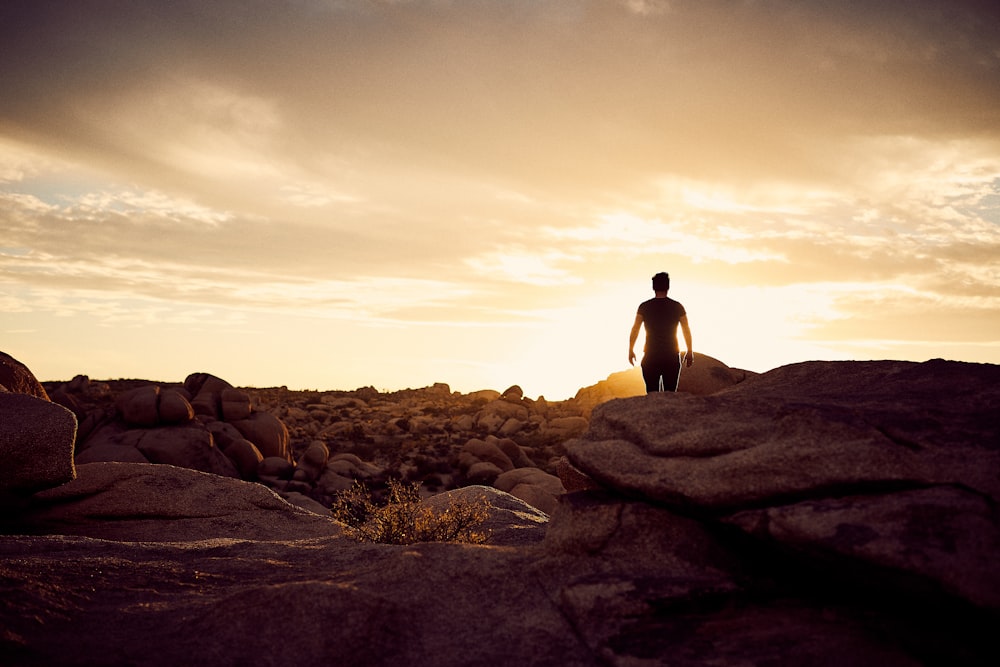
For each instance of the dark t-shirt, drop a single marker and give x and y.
(660, 317)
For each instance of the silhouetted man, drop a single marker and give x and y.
(661, 360)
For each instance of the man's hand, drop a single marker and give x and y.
(689, 358)
(631, 357)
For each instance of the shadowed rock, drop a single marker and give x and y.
(138, 502)
(17, 378)
(820, 514)
(36, 443)
(803, 430)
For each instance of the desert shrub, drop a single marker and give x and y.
(403, 519)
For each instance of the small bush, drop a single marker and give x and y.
(403, 519)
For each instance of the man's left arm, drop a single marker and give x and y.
(689, 357)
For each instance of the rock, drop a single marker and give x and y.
(533, 486)
(350, 465)
(207, 392)
(572, 478)
(306, 503)
(313, 461)
(331, 483)
(837, 428)
(36, 443)
(476, 450)
(139, 407)
(948, 535)
(235, 405)
(510, 427)
(504, 410)
(245, 456)
(482, 473)
(706, 376)
(510, 521)
(564, 428)
(484, 395)
(17, 378)
(512, 450)
(514, 393)
(151, 406)
(187, 448)
(109, 453)
(791, 557)
(174, 408)
(223, 434)
(276, 467)
(267, 432)
(157, 503)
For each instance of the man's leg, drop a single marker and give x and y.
(651, 373)
(672, 373)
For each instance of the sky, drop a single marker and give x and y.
(331, 194)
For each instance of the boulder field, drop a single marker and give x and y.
(818, 514)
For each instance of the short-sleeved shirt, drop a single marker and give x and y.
(660, 317)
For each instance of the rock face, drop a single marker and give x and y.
(880, 476)
(803, 430)
(818, 514)
(36, 443)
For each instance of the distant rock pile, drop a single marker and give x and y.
(822, 514)
(310, 446)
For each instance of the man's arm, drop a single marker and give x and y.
(632, 337)
(689, 357)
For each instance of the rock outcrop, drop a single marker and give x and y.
(821, 513)
(706, 376)
(17, 378)
(36, 443)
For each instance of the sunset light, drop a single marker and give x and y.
(341, 194)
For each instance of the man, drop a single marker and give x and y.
(661, 362)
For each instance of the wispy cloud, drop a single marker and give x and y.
(456, 166)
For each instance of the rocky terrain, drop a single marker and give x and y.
(821, 513)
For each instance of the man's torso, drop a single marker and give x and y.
(660, 318)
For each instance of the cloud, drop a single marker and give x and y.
(466, 164)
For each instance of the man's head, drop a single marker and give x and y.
(661, 282)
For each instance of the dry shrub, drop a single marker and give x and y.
(403, 519)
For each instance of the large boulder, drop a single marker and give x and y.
(889, 467)
(706, 376)
(151, 405)
(162, 503)
(267, 432)
(186, 447)
(206, 390)
(833, 427)
(36, 443)
(17, 378)
(139, 406)
(532, 485)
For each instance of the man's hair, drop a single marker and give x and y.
(661, 282)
